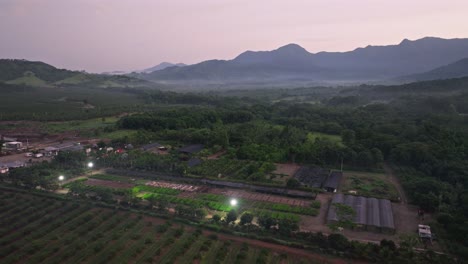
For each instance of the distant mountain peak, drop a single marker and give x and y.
(405, 41)
(292, 47)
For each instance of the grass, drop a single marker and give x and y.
(51, 103)
(59, 127)
(370, 185)
(30, 80)
(118, 134)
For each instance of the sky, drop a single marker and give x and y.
(108, 35)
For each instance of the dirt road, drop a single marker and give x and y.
(393, 179)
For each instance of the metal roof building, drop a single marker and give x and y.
(371, 214)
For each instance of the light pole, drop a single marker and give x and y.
(233, 202)
(61, 178)
(90, 165)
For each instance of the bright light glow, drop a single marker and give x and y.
(233, 202)
(90, 165)
(61, 178)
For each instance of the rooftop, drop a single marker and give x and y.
(333, 180)
(190, 149)
(369, 211)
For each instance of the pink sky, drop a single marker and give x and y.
(105, 35)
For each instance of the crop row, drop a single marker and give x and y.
(51, 231)
(277, 215)
(287, 208)
(189, 201)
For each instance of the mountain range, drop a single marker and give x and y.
(292, 63)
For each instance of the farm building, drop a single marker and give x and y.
(371, 214)
(12, 165)
(51, 151)
(14, 145)
(155, 148)
(333, 181)
(151, 147)
(424, 232)
(312, 176)
(191, 149)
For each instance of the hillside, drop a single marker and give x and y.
(14, 69)
(40, 74)
(162, 66)
(294, 63)
(453, 70)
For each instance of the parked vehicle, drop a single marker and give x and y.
(38, 155)
(28, 154)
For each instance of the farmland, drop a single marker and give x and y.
(45, 230)
(370, 185)
(182, 194)
(228, 168)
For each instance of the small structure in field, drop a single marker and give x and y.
(51, 151)
(333, 181)
(14, 145)
(155, 148)
(424, 232)
(191, 149)
(371, 214)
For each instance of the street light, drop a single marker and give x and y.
(90, 165)
(233, 202)
(61, 178)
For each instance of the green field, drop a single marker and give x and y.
(370, 185)
(49, 103)
(45, 230)
(59, 127)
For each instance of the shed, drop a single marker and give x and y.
(14, 145)
(333, 181)
(191, 149)
(51, 151)
(151, 146)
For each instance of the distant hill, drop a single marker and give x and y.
(162, 66)
(40, 74)
(453, 70)
(294, 63)
(14, 69)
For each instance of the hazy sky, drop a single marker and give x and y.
(104, 35)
